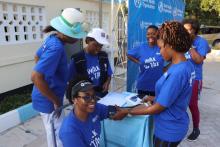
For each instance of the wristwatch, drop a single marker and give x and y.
(111, 111)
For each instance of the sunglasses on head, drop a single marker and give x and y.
(89, 98)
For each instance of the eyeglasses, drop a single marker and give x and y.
(89, 98)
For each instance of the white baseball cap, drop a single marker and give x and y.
(99, 35)
(71, 23)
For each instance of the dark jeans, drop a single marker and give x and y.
(142, 93)
(157, 142)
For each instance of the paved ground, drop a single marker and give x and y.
(32, 134)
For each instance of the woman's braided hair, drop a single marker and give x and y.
(174, 34)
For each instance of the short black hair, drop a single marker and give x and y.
(152, 27)
(49, 29)
(195, 24)
(71, 84)
(174, 34)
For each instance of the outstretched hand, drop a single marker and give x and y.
(148, 99)
(120, 114)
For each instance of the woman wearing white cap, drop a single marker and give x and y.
(49, 74)
(93, 63)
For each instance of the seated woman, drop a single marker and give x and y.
(93, 63)
(82, 127)
(173, 89)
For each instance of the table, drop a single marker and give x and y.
(135, 131)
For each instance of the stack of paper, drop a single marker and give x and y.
(120, 99)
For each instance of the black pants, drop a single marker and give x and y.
(160, 143)
(142, 93)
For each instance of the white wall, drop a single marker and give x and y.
(16, 60)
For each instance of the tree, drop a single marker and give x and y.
(202, 10)
(211, 5)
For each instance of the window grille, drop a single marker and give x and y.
(93, 19)
(21, 23)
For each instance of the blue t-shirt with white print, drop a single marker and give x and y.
(151, 66)
(53, 65)
(173, 91)
(76, 133)
(93, 68)
(202, 47)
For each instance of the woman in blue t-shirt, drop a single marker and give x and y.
(173, 89)
(82, 127)
(92, 62)
(151, 63)
(50, 72)
(196, 55)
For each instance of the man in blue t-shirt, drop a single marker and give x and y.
(50, 73)
(150, 62)
(196, 55)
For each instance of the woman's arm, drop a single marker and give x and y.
(196, 57)
(106, 84)
(36, 58)
(146, 110)
(41, 84)
(139, 110)
(133, 59)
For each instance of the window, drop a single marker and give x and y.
(93, 19)
(21, 23)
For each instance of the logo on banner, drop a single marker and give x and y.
(136, 44)
(144, 24)
(177, 12)
(137, 3)
(162, 7)
(151, 4)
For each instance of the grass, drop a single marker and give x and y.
(11, 102)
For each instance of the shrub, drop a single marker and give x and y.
(11, 102)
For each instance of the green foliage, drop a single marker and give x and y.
(206, 11)
(210, 5)
(14, 101)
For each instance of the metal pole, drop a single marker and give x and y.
(112, 42)
(100, 13)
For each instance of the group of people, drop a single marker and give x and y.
(170, 74)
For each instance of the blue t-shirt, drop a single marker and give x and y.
(93, 68)
(173, 91)
(53, 65)
(76, 133)
(151, 66)
(39, 52)
(202, 47)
